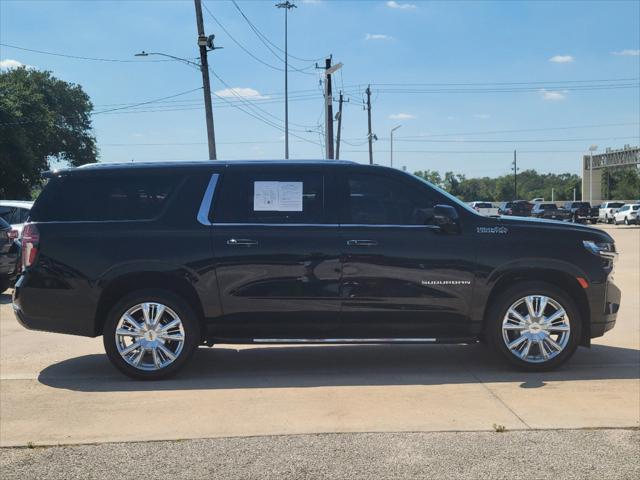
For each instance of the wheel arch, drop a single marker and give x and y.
(131, 282)
(561, 279)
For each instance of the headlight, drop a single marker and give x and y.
(602, 249)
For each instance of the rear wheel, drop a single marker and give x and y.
(150, 334)
(535, 326)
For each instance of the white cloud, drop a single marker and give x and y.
(246, 93)
(401, 116)
(552, 95)
(562, 59)
(9, 64)
(627, 53)
(377, 36)
(401, 6)
(481, 116)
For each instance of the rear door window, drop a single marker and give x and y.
(104, 197)
(271, 198)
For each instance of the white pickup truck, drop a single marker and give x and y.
(608, 211)
(485, 208)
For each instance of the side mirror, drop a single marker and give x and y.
(446, 217)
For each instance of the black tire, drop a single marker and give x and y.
(499, 308)
(186, 314)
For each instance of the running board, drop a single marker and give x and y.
(344, 340)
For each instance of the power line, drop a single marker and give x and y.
(510, 83)
(260, 34)
(250, 105)
(149, 101)
(245, 49)
(78, 57)
(402, 139)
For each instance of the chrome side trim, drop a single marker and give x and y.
(205, 205)
(343, 340)
(334, 225)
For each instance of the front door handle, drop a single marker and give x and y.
(242, 242)
(362, 243)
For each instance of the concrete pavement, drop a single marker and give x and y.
(539, 455)
(62, 389)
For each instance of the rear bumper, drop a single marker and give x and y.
(606, 320)
(51, 310)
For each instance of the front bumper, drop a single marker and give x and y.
(607, 319)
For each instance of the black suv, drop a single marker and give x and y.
(160, 258)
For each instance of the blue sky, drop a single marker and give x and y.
(445, 71)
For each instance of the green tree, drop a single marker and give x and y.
(625, 183)
(430, 176)
(42, 118)
(531, 184)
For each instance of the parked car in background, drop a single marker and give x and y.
(15, 212)
(537, 200)
(582, 212)
(485, 208)
(628, 214)
(518, 208)
(8, 255)
(608, 210)
(550, 211)
(160, 258)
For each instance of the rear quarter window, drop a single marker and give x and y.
(104, 197)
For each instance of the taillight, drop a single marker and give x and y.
(30, 243)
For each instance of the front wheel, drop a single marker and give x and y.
(535, 326)
(150, 334)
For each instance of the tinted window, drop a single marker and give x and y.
(483, 205)
(104, 197)
(7, 214)
(378, 200)
(23, 215)
(254, 197)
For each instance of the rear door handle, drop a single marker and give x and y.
(242, 242)
(362, 243)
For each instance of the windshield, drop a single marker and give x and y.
(548, 206)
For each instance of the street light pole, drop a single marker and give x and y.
(287, 6)
(393, 130)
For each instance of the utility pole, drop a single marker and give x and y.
(340, 101)
(328, 105)
(204, 68)
(287, 6)
(328, 98)
(515, 176)
(369, 134)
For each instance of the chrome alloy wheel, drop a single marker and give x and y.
(149, 336)
(536, 328)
